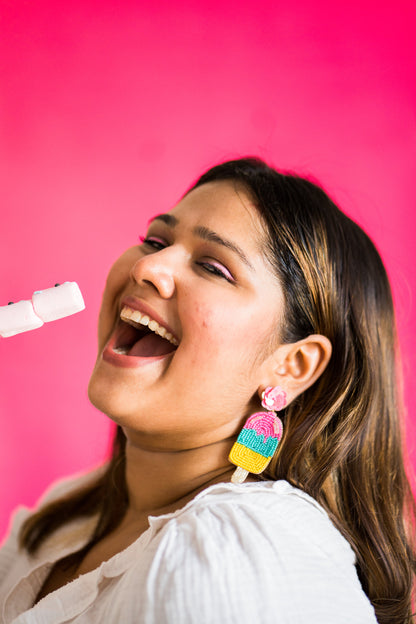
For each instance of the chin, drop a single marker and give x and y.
(120, 402)
(108, 398)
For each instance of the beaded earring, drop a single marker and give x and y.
(259, 437)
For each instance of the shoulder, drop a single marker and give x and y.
(10, 552)
(58, 489)
(267, 551)
(272, 514)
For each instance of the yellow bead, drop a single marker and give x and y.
(242, 456)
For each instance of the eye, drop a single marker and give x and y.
(153, 241)
(215, 268)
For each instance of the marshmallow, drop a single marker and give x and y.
(16, 318)
(55, 303)
(47, 305)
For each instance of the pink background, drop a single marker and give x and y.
(108, 110)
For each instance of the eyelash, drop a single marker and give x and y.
(158, 244)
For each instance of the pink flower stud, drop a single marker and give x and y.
(274, 398)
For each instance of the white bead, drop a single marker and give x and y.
(239, 475)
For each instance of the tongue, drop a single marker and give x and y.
(151, 345)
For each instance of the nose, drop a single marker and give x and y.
(157, 271)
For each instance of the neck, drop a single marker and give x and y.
(162, 481)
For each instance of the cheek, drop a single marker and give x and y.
(116, 281)
(222, 338)
(200, 334)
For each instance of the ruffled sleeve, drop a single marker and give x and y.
(262, 559)
(10, 550)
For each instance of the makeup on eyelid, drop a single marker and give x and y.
(217, 268)
(152, 239)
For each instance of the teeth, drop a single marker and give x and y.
(162, 331)
(121, 350)
(136, 318)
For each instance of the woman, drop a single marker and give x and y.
(255, 283)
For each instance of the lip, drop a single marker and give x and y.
(126, 361)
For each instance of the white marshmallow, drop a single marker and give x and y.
(46, 305)
(54, 303)
(17, 318)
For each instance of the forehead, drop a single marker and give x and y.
(225, 207)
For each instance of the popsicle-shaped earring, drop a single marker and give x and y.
(259, 437)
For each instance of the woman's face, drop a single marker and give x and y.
(201, 274)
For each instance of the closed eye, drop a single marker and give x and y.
(154, 242)
(217, 269)
(212, 267)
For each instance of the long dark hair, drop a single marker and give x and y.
(342, 441)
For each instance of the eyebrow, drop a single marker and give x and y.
(166, 218)
(208, 235)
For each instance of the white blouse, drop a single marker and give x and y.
(259, 553)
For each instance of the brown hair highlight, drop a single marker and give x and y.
(342, 442)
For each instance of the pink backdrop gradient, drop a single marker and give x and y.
(109, 110)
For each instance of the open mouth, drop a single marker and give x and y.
(139, 336)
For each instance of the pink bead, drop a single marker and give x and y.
(274, 398)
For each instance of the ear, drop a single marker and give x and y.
(296, 366)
